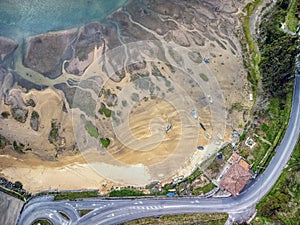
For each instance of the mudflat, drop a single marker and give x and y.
(77, 87)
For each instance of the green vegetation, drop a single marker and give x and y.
(244, 153)
(31, 103)
(264, 127)
(84, 212)
(278, 112)
(3, 141)
(278, 52)
(74, 195)
(196, 183)
(35, 115)
(195, 57)
(203, 77)
(5, 114)
(19, 114)
(277, 115)
(243, 137)
(203, 190)
(18, 185)
(194, 175)
(53, 132)
(291, 20)
(253, 53)
(281, 205)
(18, 147)
(213, 166)
(105, 142)
(274, 67)
(184, 219)
(42, 222)
(125, 192)
(104, 110)
(238, 106)
(64, 215)
(16, 191)
(91, 129)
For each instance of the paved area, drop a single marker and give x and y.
(10, 208)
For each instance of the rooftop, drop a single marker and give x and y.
(244, 164)
(235, 179)
(234, 158)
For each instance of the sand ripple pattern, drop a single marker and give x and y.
(141, 150)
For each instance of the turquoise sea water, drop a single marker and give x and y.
(21, 18)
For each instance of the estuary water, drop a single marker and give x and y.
(21, 18)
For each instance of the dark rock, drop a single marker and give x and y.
(30, 102)
(34, 121)
(19, 114)
(3, 142)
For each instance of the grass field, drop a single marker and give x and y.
(203, 190)
(184, 219)
(91, 129)
(75, 195)
(104, 110)
(105, 142)
(42, 222)
(125, 192)
(277, 115)
(291, 20)
(253, 68)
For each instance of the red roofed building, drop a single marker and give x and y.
(234, 158)
(244, 164)
(235, 179)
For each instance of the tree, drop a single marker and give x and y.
(18, 185)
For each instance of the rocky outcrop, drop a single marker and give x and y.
(34, 121)
(7, 46)
(19, 114)
(45, 53)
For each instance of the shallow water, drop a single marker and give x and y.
(21, 18)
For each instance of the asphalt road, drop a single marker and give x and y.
(121, 210)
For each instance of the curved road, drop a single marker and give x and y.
(109, 211)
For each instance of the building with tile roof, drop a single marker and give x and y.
(244, 164)
(235, 179)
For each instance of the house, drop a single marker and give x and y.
(235, 179)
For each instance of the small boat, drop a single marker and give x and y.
(200, 147)
(206, 60)
(194, 113)
(202, 126)
(169, 126)
(207, 135)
